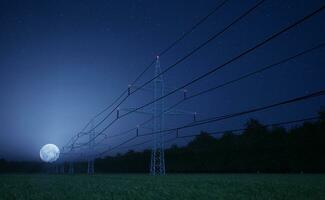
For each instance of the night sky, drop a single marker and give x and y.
(61, 62)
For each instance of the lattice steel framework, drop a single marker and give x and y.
(157, 165)
(91, 168)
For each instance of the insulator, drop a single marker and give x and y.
(137, 130)
(184, 93)
(129, 90)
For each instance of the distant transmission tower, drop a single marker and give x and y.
(71, 167)
(62, 168)
(91, 168)
(157, 164)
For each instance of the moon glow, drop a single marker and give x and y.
(49, 153)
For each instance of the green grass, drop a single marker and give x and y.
(187, 187)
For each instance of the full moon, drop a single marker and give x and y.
(49, 153)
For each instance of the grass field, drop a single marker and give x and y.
(206, 186)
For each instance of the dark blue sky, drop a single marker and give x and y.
(61, 62)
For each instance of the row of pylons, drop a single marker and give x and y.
(157, 164)
(61, 169)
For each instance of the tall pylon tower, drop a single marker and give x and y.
(157, 164)
(71, 167)
(91, 168)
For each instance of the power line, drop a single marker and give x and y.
(93, 118)
(223, 117)
(247, 51)
(232, 81)
(273, 36)
(180, 38)
(221, 132)
(141, 143)
(152, 62)
(127, 141)
(241, 78)
(200, 46)
(114, 102)
(108, 137)
(175, 64)
(232, 131)
(193, 28)
(121, 144)
(228, 62)
(138, 144)
(266, 125)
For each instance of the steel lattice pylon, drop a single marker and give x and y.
(157, 165)
(91, 168)
(71, 168)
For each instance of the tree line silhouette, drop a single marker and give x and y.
(257, 149)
